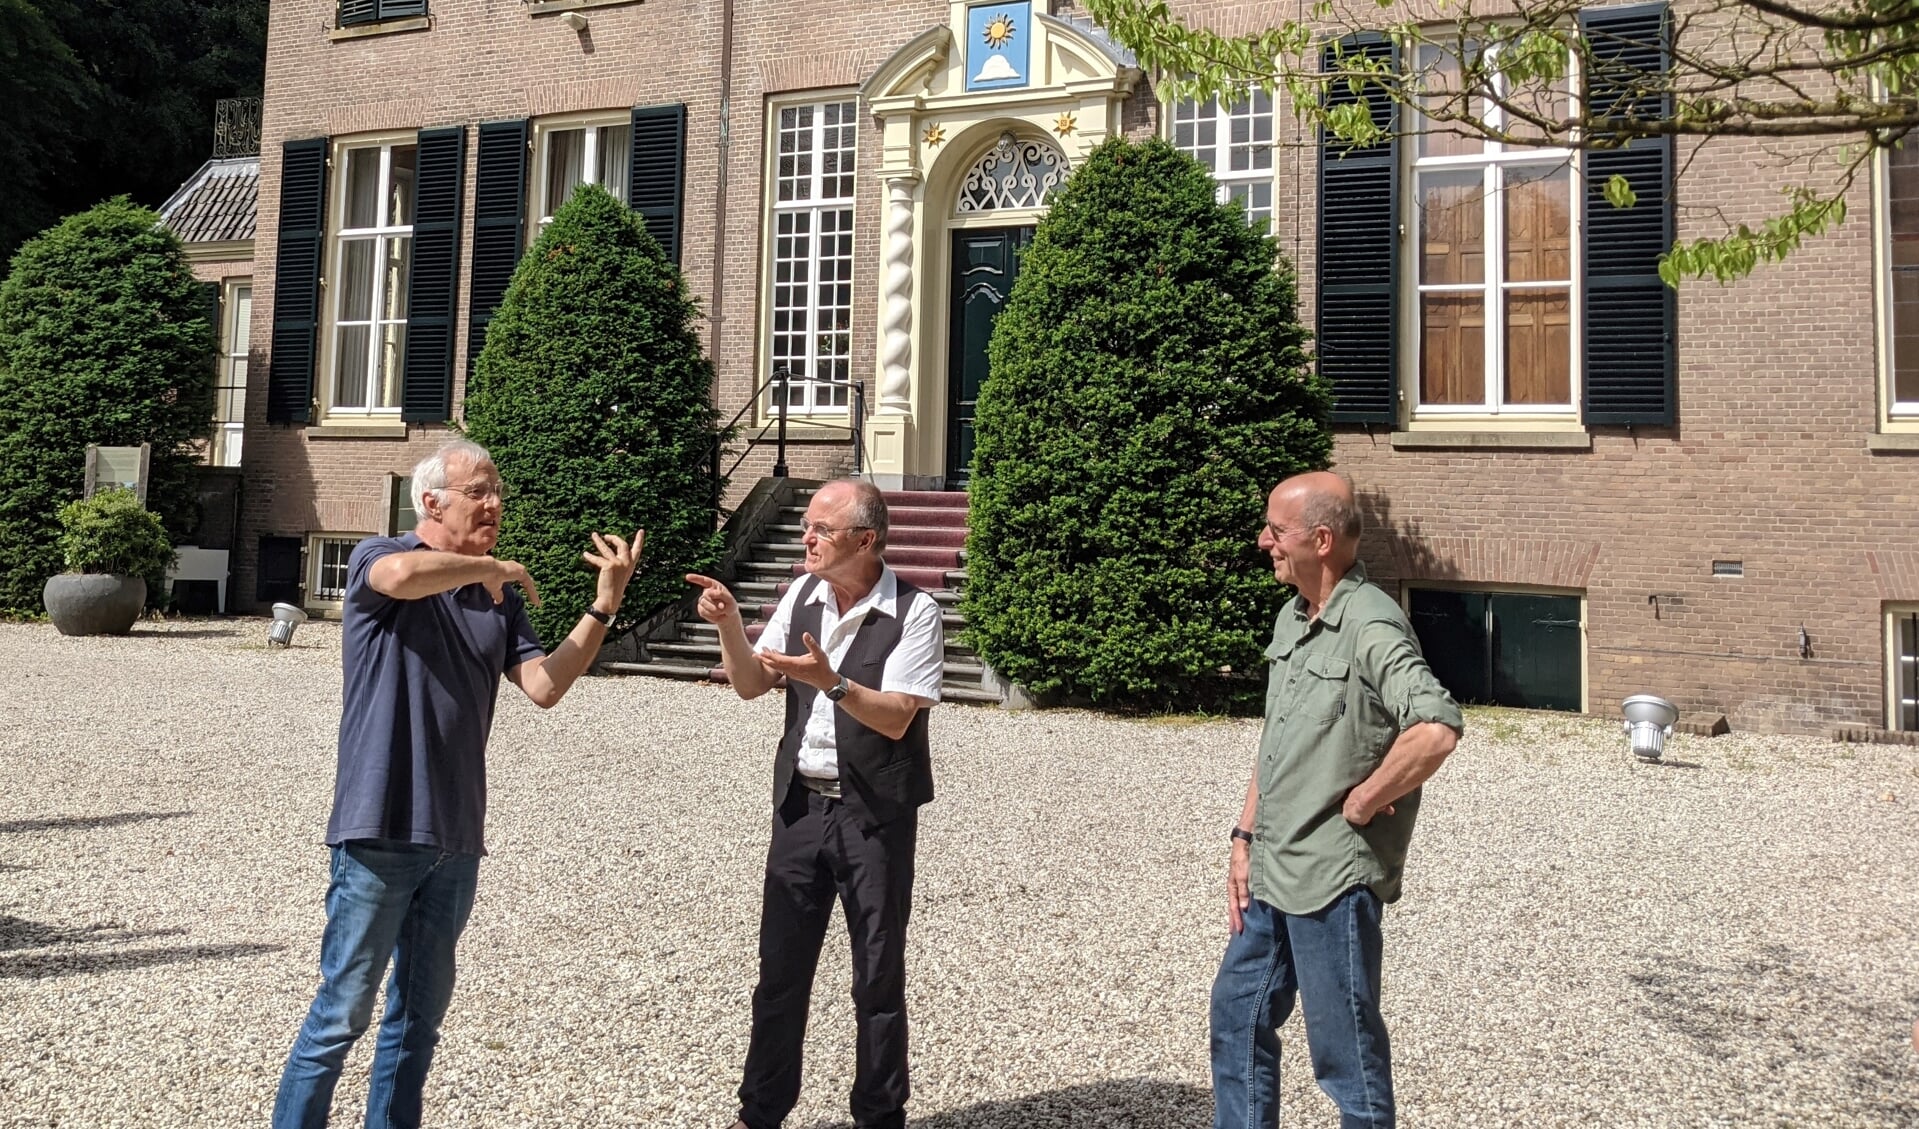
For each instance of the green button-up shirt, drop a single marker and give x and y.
(1342, 688)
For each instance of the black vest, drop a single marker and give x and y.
(881, 778)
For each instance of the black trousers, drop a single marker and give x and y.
(819, 851)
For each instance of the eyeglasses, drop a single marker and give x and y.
(827, 532)
(1281, 533)
(481, 491)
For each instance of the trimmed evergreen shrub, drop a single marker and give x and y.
(595, 400)
(112, 532)
(1148, 386)
(105, 338)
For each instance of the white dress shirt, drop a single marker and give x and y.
(915, 667)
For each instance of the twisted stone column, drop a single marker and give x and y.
(896, 317)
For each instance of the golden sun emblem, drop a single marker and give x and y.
(935, 134)
(1065, 124)
(999, 31)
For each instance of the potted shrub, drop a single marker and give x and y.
(113, 548)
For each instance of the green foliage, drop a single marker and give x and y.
(112, 532)
(1838, 82)
(595, 400)
(102, 97)
(105, 339)
(1148, 386)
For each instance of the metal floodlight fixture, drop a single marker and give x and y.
(286, 617)
(1649, 719)
(574, 20)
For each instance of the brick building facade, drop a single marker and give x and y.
(1741, 547)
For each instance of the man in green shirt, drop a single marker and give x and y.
(1355, 722)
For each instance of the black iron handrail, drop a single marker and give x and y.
(784, 379)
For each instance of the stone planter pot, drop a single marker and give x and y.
(94, 603)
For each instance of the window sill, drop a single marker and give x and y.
(384, 27)
(364, 429)
(1892, 441)
(545, 7)
(1491, 440)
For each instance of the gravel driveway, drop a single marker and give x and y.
(1731, 938)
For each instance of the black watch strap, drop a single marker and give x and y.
(1242, 834)
(603, 617)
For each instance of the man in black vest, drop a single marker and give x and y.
(862, 652)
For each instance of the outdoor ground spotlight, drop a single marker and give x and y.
(286, 617)
(1650, 720)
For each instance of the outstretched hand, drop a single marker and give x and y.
(812, 668)
(615, 558)
(716, 604)
(511, 572)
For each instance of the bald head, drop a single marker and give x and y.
(865, 506)
(1326, 499)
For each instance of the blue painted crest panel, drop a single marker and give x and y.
(997, 53)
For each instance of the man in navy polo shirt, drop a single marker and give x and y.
(431, 622)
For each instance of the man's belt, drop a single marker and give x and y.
(825, 786)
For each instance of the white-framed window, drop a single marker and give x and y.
(230, 395)
(327, 555)
(371, 252)
(1494, 264)
(1902, 667)
(401, 514)
(1898, 223)
(810, 268)
(1235, 143)
(580, 149)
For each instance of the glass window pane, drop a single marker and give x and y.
(362, 187)
(1905, 336)
(615, 159)
(349, 366)
(1452, 349)
(565, 167)
(356, 279)
(242, 337)
(399, 201)
(1452, 227)
(1539, 224)
(1441, 80)
(392, 363)
(393, 288)
(1539, 348)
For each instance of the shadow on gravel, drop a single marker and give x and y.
(86, 822)
(65, 962)
(1123, 1103)
(1768, 1011)
(189, 633)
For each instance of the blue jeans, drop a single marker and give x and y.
(1330, 959)
(385, 898)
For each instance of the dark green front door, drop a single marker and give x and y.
(1501, 648)
(985, 262)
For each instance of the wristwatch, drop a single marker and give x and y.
(595, 613)
(838, 689)
(1242, 834)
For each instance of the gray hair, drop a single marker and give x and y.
(1337, 513)
(429, 474)
(869, 510)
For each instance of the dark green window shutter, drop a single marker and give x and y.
(433, 282)
(400, 9)
(499, 225)
(210, 297)
(1358, 303)
(1629, 314)
(359, 12)
(296, 286)
(654, 184)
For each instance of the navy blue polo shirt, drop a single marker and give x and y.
(421, 680)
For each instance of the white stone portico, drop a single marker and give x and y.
(954, 159)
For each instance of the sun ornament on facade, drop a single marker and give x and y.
(935, 133)
(1065, 124)
(999, 31)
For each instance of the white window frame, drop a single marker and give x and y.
(338, 235)
(1493, 159)
(1896, 415)
(815, 211)
(230, 394)
(1234, 185)
(592, 122)
(318, 548)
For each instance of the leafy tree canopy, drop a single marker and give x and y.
(1840, 79)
